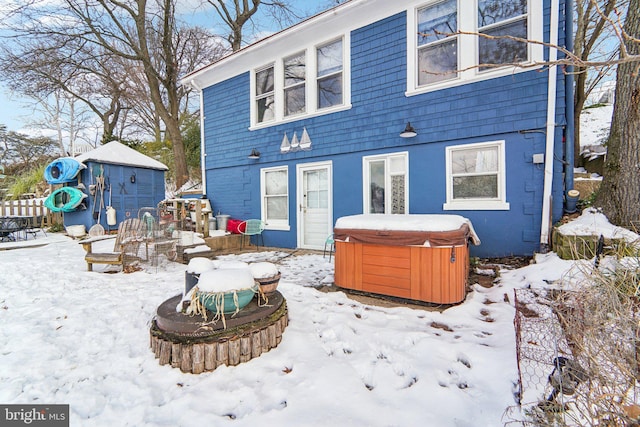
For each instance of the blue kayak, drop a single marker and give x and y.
(65, 199)
(62, 170)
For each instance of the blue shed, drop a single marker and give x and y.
(120, 177)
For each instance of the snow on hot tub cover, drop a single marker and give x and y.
(402, 230)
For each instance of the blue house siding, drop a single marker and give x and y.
(512, 108)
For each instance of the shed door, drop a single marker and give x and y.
(314, 205)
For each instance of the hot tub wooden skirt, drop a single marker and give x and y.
(430, 274)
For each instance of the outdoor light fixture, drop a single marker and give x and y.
(133, 178)
(408, 132)
(255, 154)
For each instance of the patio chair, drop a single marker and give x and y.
(252, 227)
(329, 246)
(131, 234)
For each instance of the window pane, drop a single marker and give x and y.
(397, 197)
(294, 70)
(330, 58)
(264, 81)
(437, 22)
(437, 62)
(294, 100)
(504, 51)
(277, 208)
(276, 182)
(475, 187)
(475, 160)
(266, 108)
(330, 91)
(396, 165)
(376, 179)
(494, 11)
(323, 183)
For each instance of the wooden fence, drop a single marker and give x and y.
(31, 208)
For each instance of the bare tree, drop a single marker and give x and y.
(592, 38)
(43, 64)
(619, 195)
(237, 13)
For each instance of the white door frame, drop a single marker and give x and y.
(300, 169)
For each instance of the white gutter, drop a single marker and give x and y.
(551, 118)
(203, 155)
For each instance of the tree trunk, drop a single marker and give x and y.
(619, 195)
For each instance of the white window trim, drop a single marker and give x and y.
(366, 184)
(479, 204)
(311, 90)
(468, 48)
(280, 225)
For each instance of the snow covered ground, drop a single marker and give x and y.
(68, 336)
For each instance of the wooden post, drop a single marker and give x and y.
(198, 358)
(176, 356)
(185, 363)
(210, 356)
(165, 352)
(205, 218)
(234, 352)
(256, 347)
(264, 340)
(198, 217)
(222, 357)
(245, 349)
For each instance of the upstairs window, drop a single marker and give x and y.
(452, 42)
(498, 18)
(437, 42)
(294, 84)
(265, 99)
(311, 81)
(329, 60)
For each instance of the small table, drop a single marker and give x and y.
(9, 226)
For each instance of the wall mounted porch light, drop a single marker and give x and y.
(255, 154)
(408, 132)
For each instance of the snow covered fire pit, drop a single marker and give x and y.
(418, 257)
(221, 318)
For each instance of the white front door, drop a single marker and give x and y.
(315, 205)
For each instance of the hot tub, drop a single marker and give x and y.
(417, 257)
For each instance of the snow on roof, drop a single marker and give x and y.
(408, 222)
(117, 153)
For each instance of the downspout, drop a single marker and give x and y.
(203, 154)
(550, 129)
(569, 101)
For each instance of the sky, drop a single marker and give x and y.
(16, 113)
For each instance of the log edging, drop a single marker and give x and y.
(225, 347)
